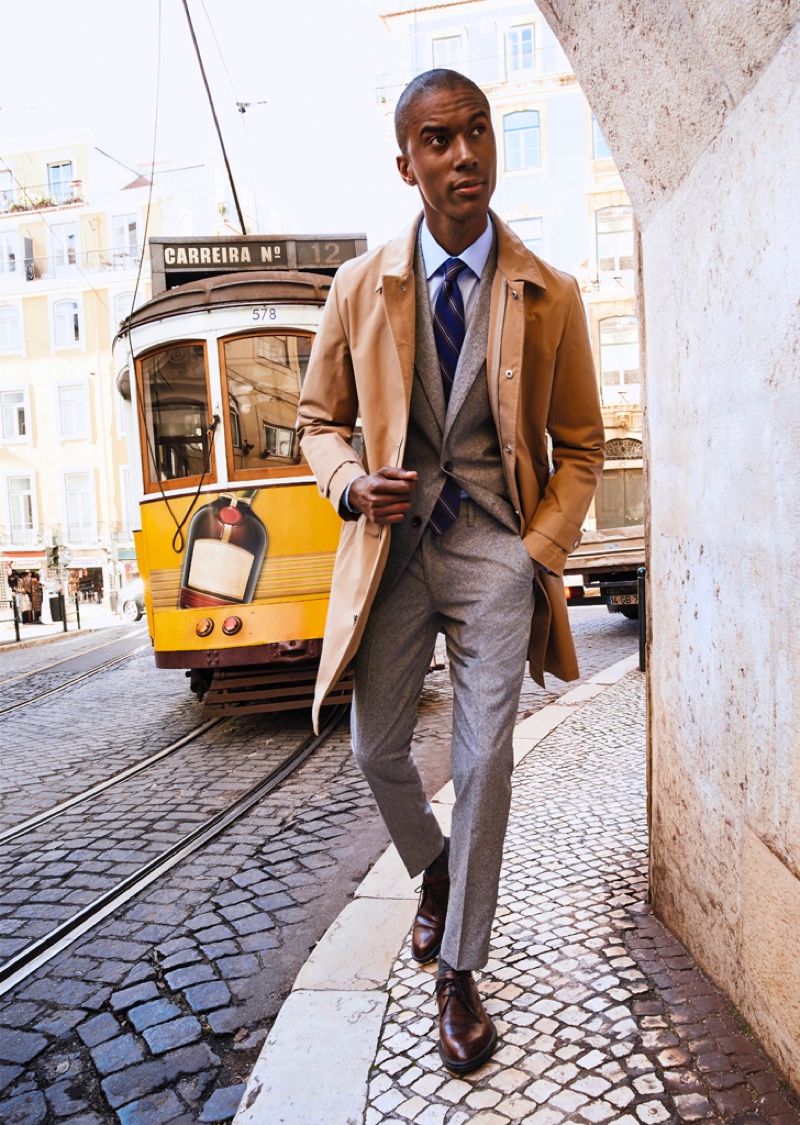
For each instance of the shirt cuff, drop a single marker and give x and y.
(346, 496)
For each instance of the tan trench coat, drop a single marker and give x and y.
(541, 381)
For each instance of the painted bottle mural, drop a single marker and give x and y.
(225, 548)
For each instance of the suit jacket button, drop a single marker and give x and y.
(416, 521)
(508, 449)
(448, 466)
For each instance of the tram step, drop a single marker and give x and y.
(244, 691)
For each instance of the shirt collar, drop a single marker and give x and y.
(475, 256)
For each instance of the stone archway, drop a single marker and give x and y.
(700, 106)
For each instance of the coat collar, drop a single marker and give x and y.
(514, 260)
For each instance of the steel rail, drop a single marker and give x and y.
(26, 826)
(63, 660)
(38, 953)
(74, 680)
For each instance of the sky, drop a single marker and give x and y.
(320, 149)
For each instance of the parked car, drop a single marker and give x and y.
(130, 603)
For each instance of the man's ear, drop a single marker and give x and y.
(404, 168)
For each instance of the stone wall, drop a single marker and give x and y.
(700, 104)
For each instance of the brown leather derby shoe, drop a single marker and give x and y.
(467, 1037)
(426, 937)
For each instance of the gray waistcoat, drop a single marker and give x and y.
(462, 433)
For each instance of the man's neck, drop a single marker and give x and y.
(455, 237)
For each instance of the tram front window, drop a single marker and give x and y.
(263, 375)
(175, 396)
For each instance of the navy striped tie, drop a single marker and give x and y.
(449, 328)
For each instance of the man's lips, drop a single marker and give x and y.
(469, 187)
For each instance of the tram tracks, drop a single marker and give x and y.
(36, 671)
(72, 681)
(38, 952)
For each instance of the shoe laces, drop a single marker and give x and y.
(451, 987)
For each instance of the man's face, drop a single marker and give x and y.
(452, 159)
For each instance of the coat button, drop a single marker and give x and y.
(416, 521)
(508, 449)
(514, 294)
(448, 466)
(509, 374)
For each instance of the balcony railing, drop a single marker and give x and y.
(494, 73)
(22, 538)
(69, 263)
(40, 197)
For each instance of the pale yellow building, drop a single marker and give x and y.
(558, 188)
(72, 229)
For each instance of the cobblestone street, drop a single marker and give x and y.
(157, 1014)
(602, 1015)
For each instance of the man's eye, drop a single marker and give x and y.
(438, 141)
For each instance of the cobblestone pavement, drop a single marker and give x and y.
(157, 1015)
(88, 732)
(603, 1016)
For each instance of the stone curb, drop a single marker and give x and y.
(329, 1027)
(17, 646)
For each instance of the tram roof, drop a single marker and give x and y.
(221, 291)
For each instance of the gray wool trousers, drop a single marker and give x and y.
(474, 584)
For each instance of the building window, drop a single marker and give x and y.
(278, 441)
(7, 196)
(65, 248)
(59, 180)
(126, 240)
(73, 412)
(15, 421)
(619, 359)
(10, 329)
(523, 140)
(67, 328)
(600, 150)
(78, 497)
(519, 49)
(614, 226)
(20, 505)
(122, 307)
(531, 231)
(448, 52)
(8, 251)
(619, 501)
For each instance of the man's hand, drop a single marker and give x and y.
(384, 496)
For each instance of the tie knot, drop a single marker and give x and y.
(453, 267)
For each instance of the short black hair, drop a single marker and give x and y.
(429, 80)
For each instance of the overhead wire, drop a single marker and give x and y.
(214, 115)
(242, 113)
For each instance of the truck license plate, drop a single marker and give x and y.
(623, 599)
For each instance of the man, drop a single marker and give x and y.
(461, 352)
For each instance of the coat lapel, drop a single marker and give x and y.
(397, 288)
(426, 358)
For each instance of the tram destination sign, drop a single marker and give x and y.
(178, 260)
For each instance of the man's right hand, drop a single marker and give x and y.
(383, 496)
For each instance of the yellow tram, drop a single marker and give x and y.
(234, 543)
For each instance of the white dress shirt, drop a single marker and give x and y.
(474, 257)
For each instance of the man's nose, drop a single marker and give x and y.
(463, 153)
